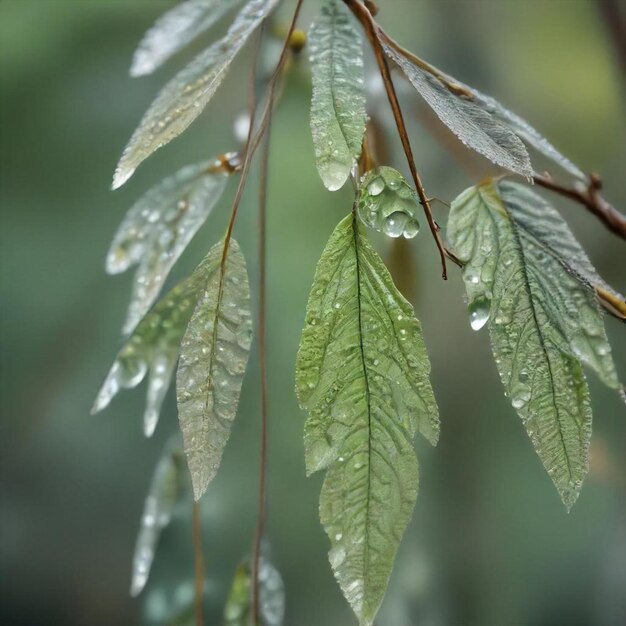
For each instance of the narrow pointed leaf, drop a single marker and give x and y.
(213, 358)
(185, 96)
(526, 132)
(475, 127)
(338, 103)
(362, 373)
(157, 230)
(166, 488)
(238, 608)
(174, 30)
(543, 318)
(482, 123)
(155, 344)
(548, 243)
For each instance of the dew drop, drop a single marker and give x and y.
(479, 311)
(388, 204)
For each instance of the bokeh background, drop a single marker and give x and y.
(490, 543)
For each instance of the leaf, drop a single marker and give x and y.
(238, 608)
(522, 274)
(481, 122)
(155, 343)
(166, 487)
(476, 128)
(174, 30)
(182, 100)
(338, 103)
(362, 373)
(526, 132)
(157, 230)
(213, 358)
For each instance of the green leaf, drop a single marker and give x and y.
(158, 228)
(182, 100)
(525, 132)
(338, 103)
(154, 346)
(363, 374)
(213, 358)
(476, 128)
(174, 30)
(155, 343)
(481, 122)
(167, 486)
(528, 277)
(238, 608)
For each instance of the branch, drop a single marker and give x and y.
(372, 31)
(589, 196)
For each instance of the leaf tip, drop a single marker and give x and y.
(122, 174)
(137, 584)
(139, 67)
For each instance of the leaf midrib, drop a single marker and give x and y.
(355, 235)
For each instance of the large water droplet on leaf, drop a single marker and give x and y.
(388, 204)
(479, 311)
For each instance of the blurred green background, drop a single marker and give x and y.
(490, 544)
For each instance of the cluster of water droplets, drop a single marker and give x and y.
(388, 204)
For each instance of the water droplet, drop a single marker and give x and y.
(241, 127)
(376, 186)
(479, 311)
(388, 204)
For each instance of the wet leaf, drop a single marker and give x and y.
(363, 374)
(157, 230)
(238, 608)
(154, 346)
(528, 278)
(168, 484)
(185, 96)
(476, 128)
(526, 132)
(481, 122)
(155, 343)
(213, 358)
(338, 103)
(174, 30)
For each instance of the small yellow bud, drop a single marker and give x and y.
(297, 41)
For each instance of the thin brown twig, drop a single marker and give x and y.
(199, 564)
(254, 138)
(589, 196)
(253, 143)
(372, 31)
(262, 339)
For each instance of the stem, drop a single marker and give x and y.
(199, 564)
(262, 338)
(372, 32)
(456, 88)
(591, 199)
